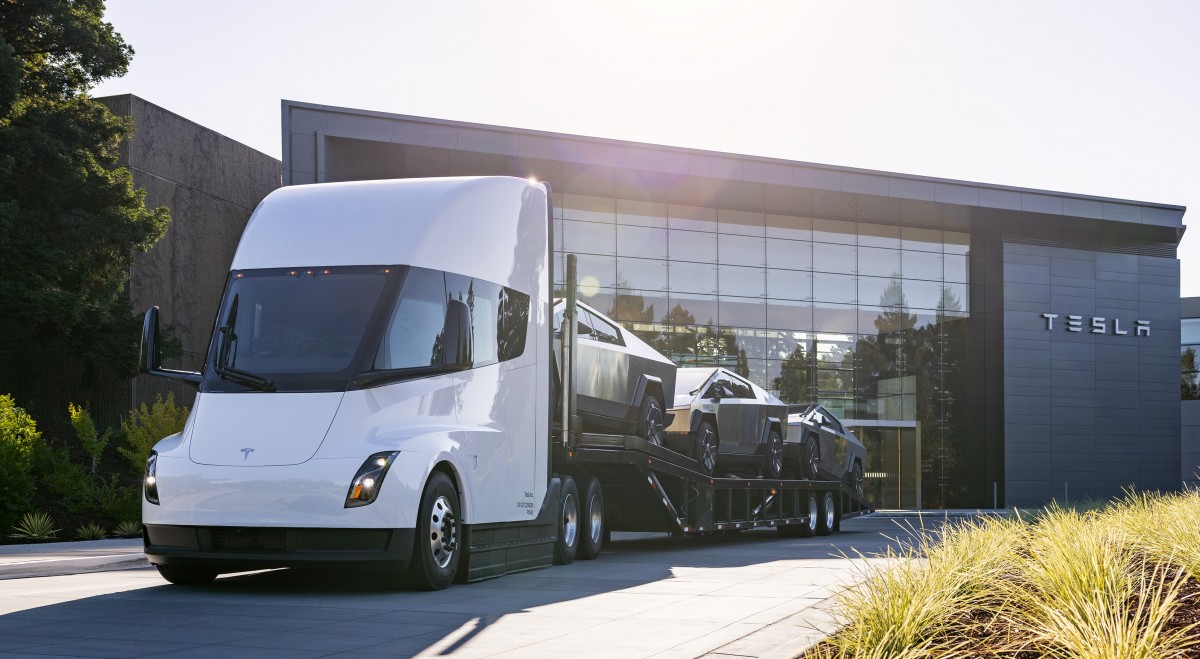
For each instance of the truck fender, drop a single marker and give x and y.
(648, 384)
(772, 422)
(465, 498)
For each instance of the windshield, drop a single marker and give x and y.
(300, 328)
(690, 379)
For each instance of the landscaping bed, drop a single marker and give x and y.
(1105, 581)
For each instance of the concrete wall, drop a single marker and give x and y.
(211, 184)
(1088, 414)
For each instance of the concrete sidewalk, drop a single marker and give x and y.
(57, 558)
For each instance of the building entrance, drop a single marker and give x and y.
(892, 476)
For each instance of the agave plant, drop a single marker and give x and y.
(92, 531)
(35, 526)
(128, 529)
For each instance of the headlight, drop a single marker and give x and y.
(365, 487)
(151, 480)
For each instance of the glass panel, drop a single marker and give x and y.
(413, 336)
(694, 218)
(834, 231)
(922, 294)
(884, 292)
(741, 250)
(835, 258)
(746, 343)
(878, 262)
(954, 298)
(788, 226)
(884, 320)
(692, 310)
(558, 234)
(635, 308)
(589, 238)
(746, 223)
(790, 254)
(790, 377)
(560, 268)
(642, 242)
(595, 272)
(834, 351)
(834, 288)
(1189, 331)
(921, 265)
(742, 312)
(957, 242)
(692, 246)
(592, 209)
(789, 285)
(693, 277)
(647, 274)
(878, 235)
(955, 267)
(744, 282)
(755, 370)
(787, 315)
(691, 345)
(834, 317)
(641, 213)
(919, 238)
(512, 326)
(600, 298)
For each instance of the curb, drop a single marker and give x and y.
(53, 567)
(789, 638)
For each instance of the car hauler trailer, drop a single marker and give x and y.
(380, 392)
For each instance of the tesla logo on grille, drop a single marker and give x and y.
(246, 453)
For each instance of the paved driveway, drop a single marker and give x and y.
(749, 595)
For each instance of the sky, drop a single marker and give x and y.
(1098, 98)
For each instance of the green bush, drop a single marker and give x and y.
(80, 492)
(85, 430)
(91, 531)
(147, 425)
(19, 442)
(35, 526)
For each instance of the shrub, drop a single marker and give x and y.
(92, 531)
(35, 526)
(128, 529)
(147, 425)
(19, 441)
(85, 430)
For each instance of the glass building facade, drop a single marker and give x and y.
(865, 318)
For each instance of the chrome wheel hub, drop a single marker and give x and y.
(570, 527)
(812, 512)
(443, 532)
(829, 510)
(595, 519)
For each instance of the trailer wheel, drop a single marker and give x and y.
(568, 524)
(707, 447)
(436, 554)
(773, 456)
(650, 421)
(828, 519)
(186, 575)
(592, 535)
(809, 527)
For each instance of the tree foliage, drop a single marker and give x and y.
(146, 425)
(70, 218)
(19, 443)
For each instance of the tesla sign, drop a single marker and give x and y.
(1098, 325)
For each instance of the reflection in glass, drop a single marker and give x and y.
(591, 209)
(834, 288)
(748, 343)
(789, 284)
(642, 213)
(878, 235)
(741, 250)
(921, 265)
(743, 282)
(956, 242)
(692, 310)
(834, 317)
(788, 227)
(648, 274)
(692, 246)
(880, 291)
(642, 242)
(596, 271)
(589, 238)
(746, 223)
(789, 254)
(789, 315)
(878, 262)
(955, 267)
(835, 258)
(692, 277)
(742, 312)
(834, 231)
(692, 218)
(923, 294)
(920, 238)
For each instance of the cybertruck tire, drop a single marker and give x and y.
(436, 552)
(186, 575)
(650, 421)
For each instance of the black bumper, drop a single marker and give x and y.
(233, 549)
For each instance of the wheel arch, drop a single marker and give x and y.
(649, 385)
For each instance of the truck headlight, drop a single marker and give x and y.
(151, 480)
(365, 487)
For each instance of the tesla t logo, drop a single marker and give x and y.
(246, 453)
(1098, 325)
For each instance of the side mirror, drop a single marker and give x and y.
(150, 355)
(456, 335)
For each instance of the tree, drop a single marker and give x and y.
(70, 218)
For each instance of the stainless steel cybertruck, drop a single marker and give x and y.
(819, 446)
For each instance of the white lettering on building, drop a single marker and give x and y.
(1098, 325)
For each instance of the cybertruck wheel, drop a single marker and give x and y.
(707, 447)
(567, 544)
(650, 421)
(436, 551)
(773, 456)
(186, 575)
(592, 521)
(812, 457)
(856, 479)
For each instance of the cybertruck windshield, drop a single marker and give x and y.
(302, 329)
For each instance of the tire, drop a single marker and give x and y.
(650, 421)
(591, 536)
(436, 551)
(809, 528)
(812, 458)
(856, 479)
(827, 521)
(707, 448)
(773, 456)
(187, 575)
(567, 544)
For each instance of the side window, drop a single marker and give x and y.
(718, 389)
(583, 321)
(414, 334)
(484, 300)
(513, 323)
(604, 331)
(739, 389)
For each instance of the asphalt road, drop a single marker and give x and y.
(647, 595)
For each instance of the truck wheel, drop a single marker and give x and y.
(707, 447)
(856, 479)
(812, 457)
(809, 527)
(773, 456)
(186, 575)
(436, 552)
(568, 524)
(592, 536)
(828, 518)
(650, 421)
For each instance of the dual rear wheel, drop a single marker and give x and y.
(821, 517)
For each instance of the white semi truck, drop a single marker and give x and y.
(380, 391)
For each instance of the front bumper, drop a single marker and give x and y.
(234, 549)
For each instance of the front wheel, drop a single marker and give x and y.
(568, 524)
(436, 551)
(650, 421)
(186, 575)
(773, 456)
(812, 457)
(707, 447)
(856, 479)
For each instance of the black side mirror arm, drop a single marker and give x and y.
(150, 355)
